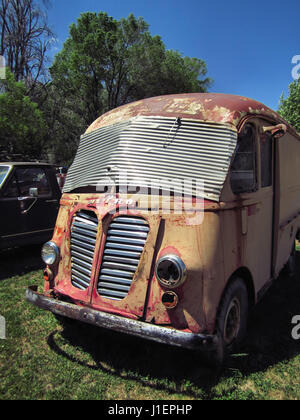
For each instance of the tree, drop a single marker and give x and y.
(22, 127)
(63, 127)
(289, 108)
(106, 63)
(25, 39)
(79, 69)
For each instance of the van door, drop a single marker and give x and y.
(252, 180)
(266, 206)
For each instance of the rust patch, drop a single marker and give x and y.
(214, 107)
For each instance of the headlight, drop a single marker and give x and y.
(170, 271)
(50, 253)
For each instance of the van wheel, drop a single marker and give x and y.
(233, 315)
(231, 321)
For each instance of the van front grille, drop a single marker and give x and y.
(124, 245)
(83, 239)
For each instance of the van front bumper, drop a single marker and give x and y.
(134, 327)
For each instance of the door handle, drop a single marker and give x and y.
(54, 200)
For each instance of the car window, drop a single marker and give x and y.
(32, 178)
(3, 173)
(11, 189)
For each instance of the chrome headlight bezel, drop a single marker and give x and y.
(178, 267)
(50, 253)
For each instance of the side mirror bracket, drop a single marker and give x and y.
(277, 131)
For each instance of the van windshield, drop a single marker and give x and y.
(3, 173)
(155, 152)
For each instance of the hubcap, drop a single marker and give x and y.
(232, 321)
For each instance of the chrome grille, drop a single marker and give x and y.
(124, 245)
(83, 239)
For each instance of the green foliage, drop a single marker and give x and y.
(63, 127)
(289, 108)
(106, 63)
(79, 68)
(22, 127)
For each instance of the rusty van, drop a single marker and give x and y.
(132, 259)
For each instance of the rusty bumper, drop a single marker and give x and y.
(137, 328)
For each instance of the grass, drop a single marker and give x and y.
(40, 359)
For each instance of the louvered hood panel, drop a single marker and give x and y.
(83, 240)
(124, 245)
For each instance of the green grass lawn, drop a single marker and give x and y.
(40, 359)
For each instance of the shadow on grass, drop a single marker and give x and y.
(19, 261)
(174, 370)
(151, 364)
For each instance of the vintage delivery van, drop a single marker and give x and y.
(177, 213)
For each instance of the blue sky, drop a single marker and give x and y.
(248, 46)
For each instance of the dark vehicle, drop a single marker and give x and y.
(29, 202)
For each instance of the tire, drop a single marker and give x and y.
(231, 325)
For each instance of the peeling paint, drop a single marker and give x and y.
(215, 107)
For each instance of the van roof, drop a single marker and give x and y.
(215, 107)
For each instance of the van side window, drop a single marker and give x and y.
(266, 159)
(243, 168)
